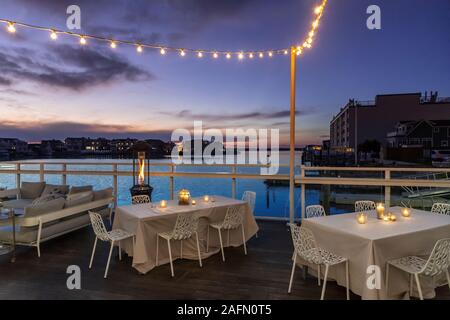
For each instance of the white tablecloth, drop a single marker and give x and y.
(376, 242)
(145, 222)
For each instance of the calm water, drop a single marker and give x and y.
(270, 201)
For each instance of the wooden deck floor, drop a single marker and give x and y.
(262, 274)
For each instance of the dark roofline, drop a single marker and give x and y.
(399, 94)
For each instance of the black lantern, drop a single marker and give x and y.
(140, 152)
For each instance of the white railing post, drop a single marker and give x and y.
(233, 182)
(387, 189)
(303, 193)
(116, 184)
(171, 181)
(64, 174)
(17, 175)
(41, 172)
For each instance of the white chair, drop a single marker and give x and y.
(306, 248)
(364, 205)
(113, 236)
(185, 227)
(441, 208)
(143, 198)
(315, 211)
(437, 262)
(250, 198)
(233, 220)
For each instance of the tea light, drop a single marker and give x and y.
(206, 198)
(163, 204)
(392, 217)
(193, 202)
(361, 218)
(380, 211)
(386, 217)
(406, 213)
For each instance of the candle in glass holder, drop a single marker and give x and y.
(163, 204)
(361, 217)
(392, 217)
(206, 198)
(380, 211)
(193, 202)
(386, 217)
(406, 212)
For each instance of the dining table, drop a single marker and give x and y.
(370, 245)
(146, 220)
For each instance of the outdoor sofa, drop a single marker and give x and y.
(45, 211)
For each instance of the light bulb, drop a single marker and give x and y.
(83, 41)
(286, 52)
(250, 55)
(318, 10)
(311, 34)
(11, 27)
(139, 48)
(200, 55)
(261, 55)
(113, 45)
(305, 44)
(215, 55)
(309, 40)
(315, 24)
(240, 56)
(182, 53)
(162, 51)
(299, 52)
(270, 54)
(53, 35)
(228, 56)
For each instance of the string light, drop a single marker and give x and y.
(307, 41)
(11, 27)
(53, 35)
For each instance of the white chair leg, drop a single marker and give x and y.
(410, 284)
(221, 244)
(157, 250)
(243, 239)
(207, 239)
(448, 278)
(386, 281)
(292, 272)
(324, 286)
(170, 258)
(198, 250)
(318, 274)
(109, 259)
(181, 249)
(418, 286)
(93, 252)
(228, 237)
(38, 247)
(347, 280)
(120, 251)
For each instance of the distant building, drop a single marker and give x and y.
(75, 145)
(372, 120)
(427, 134)
(121, 146)
(12, 147)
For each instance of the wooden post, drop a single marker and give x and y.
(17, 175)
(292, 140)
(64, 175)
(41, 172)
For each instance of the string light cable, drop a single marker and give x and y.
(13, 26)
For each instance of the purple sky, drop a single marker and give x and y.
(53, 89)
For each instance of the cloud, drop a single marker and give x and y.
(74, 69)
(256, 115)
(5, 82)
(60, 130)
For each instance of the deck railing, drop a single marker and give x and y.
(306, 176)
